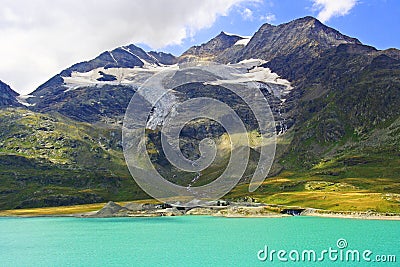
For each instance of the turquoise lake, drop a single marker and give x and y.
(195, 241)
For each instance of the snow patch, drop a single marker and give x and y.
(243, 41)
(22, 99)
(252, 62)
(255, 73)
(112, 56)
(124, 76)
(234, 34)
(252, 71)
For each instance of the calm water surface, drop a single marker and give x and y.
(191, 241)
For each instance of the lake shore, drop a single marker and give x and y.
(352, 215)
(231, 210)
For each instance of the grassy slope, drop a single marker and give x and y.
(64, 210)
(45, 157)
(352, 175)
(49, 160)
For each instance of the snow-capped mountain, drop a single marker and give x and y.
(276, 57)
(106, 68)
(99, 89)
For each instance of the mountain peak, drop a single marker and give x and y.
(212, 48)
(128, 56)
(124, 57)
(307, 18)
(318, 31)
(305, 21)
(307, 34)
(223, 34)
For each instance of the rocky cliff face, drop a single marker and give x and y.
(306, 36)
(8, 97)
(338, 83)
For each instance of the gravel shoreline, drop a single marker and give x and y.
(231, 210)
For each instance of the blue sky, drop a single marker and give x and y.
(41, 38)
(373, 22)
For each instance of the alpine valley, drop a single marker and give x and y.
(336, 104)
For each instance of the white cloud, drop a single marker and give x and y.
(42, 37)
(332, 8)
(247, 14)
(268, 18)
